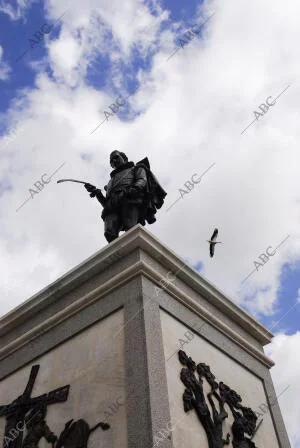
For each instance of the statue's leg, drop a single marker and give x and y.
(130, 216)
(111, 227)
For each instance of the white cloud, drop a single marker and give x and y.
(111, 28)
(194, 108)
(17, 11)
(284, 350)
(4, 67)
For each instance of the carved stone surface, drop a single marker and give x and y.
(37, 428)
(26, 413)
(192, 376)
(76, 434)
(16, 411)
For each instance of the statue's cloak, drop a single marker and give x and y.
(154, 197)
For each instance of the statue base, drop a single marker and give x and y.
(109, 338)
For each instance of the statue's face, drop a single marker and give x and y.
(116, 159)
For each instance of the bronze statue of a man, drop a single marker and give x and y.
(133, 195)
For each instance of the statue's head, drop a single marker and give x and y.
(118, 159)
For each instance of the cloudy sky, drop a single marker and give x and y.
(64, 65)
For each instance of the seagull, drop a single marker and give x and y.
(212, 242)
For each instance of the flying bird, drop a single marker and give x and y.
(212, 242)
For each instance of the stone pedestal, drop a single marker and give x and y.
(111, 329)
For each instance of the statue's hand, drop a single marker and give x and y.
(91, 189)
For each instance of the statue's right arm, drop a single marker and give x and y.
(101, 198)
(96, 192)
